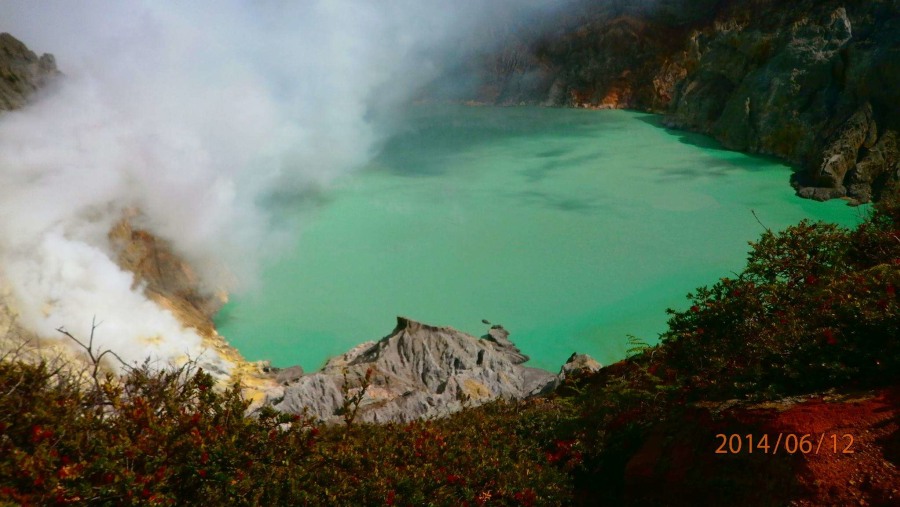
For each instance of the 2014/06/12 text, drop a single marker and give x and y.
(790, 443)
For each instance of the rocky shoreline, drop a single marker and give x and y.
(810, 82)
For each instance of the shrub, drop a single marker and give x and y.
(816, 307)
(172, 438)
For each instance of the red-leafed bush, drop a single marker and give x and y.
(172, 438)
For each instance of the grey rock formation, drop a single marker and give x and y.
(500, 338)
(842, 150)
(22, 72)
(579, 364)
(287, 375)
(417, 371)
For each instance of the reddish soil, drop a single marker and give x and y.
(678, 463)
(863, 472)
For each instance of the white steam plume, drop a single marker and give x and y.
(193, 113)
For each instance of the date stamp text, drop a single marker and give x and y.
(790, 443)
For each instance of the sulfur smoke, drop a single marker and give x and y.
(195, 113)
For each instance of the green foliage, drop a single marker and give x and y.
(491, 455)
(815, 308)
(636, 346)
(352, 400)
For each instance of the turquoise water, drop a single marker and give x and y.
(571, 228)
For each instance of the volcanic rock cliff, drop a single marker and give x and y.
(812, 82)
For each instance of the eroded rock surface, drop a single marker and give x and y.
(166, 278)
(418, 371)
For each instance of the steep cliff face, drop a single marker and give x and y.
(598, 54)
(812, 82)
(809, 82)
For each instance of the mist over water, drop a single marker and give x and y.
(571, 228)
(194, 114)
(236, 131)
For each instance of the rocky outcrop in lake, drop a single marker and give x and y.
(419, 371)
(811, 82)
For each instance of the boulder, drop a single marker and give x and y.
(577, 365)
